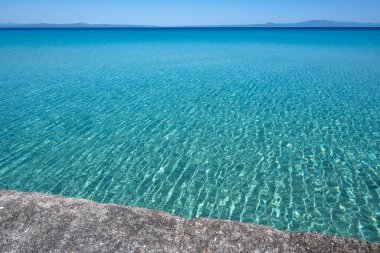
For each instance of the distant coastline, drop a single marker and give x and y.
(306, 24)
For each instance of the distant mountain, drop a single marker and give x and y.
(318, 23)
(310, 23)
(73, 25)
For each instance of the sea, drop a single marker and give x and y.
(277, 127)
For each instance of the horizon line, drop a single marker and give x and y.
(305, 24)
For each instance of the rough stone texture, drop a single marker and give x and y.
(35, 222)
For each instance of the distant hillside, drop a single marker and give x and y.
(318, 23)
(73, 25)
(310, 23)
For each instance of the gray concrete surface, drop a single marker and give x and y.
(35, 222)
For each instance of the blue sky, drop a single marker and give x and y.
(187, 12)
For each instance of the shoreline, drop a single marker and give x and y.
(32, 222)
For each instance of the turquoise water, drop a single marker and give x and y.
(274, 127)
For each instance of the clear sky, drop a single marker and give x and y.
(187, 12)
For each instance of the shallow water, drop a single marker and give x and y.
(270, 126)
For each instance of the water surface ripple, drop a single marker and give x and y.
(274, 127)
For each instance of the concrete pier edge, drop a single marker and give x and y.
(38, 222)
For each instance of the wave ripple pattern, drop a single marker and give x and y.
(274, 127)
